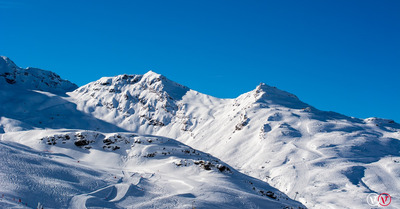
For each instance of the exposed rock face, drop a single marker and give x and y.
(149, 99)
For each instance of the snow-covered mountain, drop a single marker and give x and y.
(56, 155)
(268, 136)
(324, 159)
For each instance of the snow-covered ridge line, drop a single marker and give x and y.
(32, 78)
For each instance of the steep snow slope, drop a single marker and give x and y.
(324, 159)
(24, 109)
(88, 169)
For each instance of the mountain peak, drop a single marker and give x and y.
(151, 73)
(153, 77)
(271, 90)
(273, 95)
(150, 97)
(6, 64)
(151, 81)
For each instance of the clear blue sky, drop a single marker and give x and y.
(338, 55)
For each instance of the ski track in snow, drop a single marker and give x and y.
(112, 193)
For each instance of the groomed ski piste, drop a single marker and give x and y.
(143, 141)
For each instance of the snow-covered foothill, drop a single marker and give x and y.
(87, 169)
